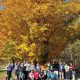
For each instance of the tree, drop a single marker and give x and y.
(72, 53)
(9, 50)
(45, 23)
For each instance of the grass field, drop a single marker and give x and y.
(2, 75)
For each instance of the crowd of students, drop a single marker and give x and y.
(50, 71)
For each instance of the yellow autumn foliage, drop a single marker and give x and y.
(31, 54)
(23, 47)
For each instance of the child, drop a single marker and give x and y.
(36, 75)
(31, 75)
(41, 75)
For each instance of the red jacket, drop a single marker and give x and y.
(71, 67)
(36, 75)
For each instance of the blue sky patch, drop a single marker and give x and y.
(1, 7)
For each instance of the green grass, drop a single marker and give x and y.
(2, 75)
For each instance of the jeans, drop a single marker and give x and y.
(67, 75)
(21, 76)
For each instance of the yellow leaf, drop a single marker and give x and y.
(31, 54)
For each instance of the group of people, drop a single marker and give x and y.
(50, 71)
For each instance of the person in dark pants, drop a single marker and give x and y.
(16, 68)
(9, 71)
(67, 71)
(25, 73)
(56, 68)
(64, 72)
(26, 70)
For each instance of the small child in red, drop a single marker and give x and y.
(36, 75)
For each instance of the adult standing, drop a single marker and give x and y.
(9, 71)
(25, 71)
(51, 67)
(16, 68)
(56, 68)
(32, 66)
(61, 73)
(21, 72)
(72, 71)
(38, 68)
(64, 72)
(67, 71)
(28, 68)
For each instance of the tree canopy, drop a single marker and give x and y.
(38, 28)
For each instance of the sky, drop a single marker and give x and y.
(1, 7)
